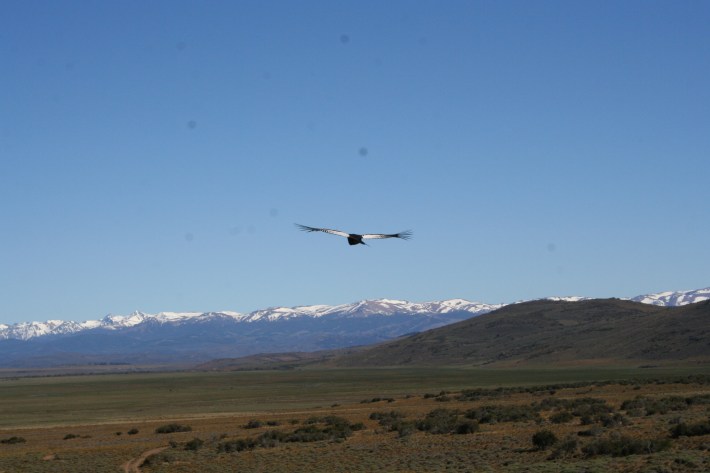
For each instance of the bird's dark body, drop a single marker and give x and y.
(355, 239)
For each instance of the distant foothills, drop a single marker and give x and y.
(195, 337)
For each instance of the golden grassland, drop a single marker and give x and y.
(101, 423)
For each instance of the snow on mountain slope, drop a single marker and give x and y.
(675, 298)
(569, 298)
(282, 313)
(379, 307)
(386, 307)
(26, 330)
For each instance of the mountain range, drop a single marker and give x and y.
(379, 307)
(188, 337)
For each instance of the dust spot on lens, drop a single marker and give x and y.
(363, 151)
(344, 39)
(192, 124)
(189, 237)
(551, 247)
(274, 212)
(181, 46)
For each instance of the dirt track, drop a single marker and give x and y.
(134, 465)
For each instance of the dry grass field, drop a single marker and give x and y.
(407, 420)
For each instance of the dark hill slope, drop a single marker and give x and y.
(600, 331)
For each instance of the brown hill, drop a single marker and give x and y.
(595, 332)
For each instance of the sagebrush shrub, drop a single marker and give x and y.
(439, 421)
(543, 439)
(194, 444)
(171, 428)
(622, 446)
(690, 430)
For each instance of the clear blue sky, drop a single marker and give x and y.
(154, 155)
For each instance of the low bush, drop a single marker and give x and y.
(543, 439)
(699, 399)
(467, 427)
(387, 419)
(311, 433)
(13, 440)
(615, 420)
(357, 426)
(340, 428)
(171, 428)
(593, 432)
(330, 428)
(404, 428)
(565, 448)
(439, 421)
(194, 444)
(271, 438)
(650, 406)
(394, 420)
(690, 430)
(239, 445)
(377, 399)
(621, 446)
(578, 407)
(493, 414)
(561, 417)
(308, 433)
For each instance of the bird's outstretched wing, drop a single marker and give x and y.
(326, 230)
(403, 235)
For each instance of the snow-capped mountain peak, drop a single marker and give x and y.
(380, 307)
(670, 298)
(117, 321)
(360, 309)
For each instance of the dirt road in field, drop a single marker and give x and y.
(134, 465)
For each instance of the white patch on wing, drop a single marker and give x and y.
(334, 232)
(326, 230)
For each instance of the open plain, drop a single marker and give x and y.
(404, 419)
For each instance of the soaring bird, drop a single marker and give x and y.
(354, 238)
